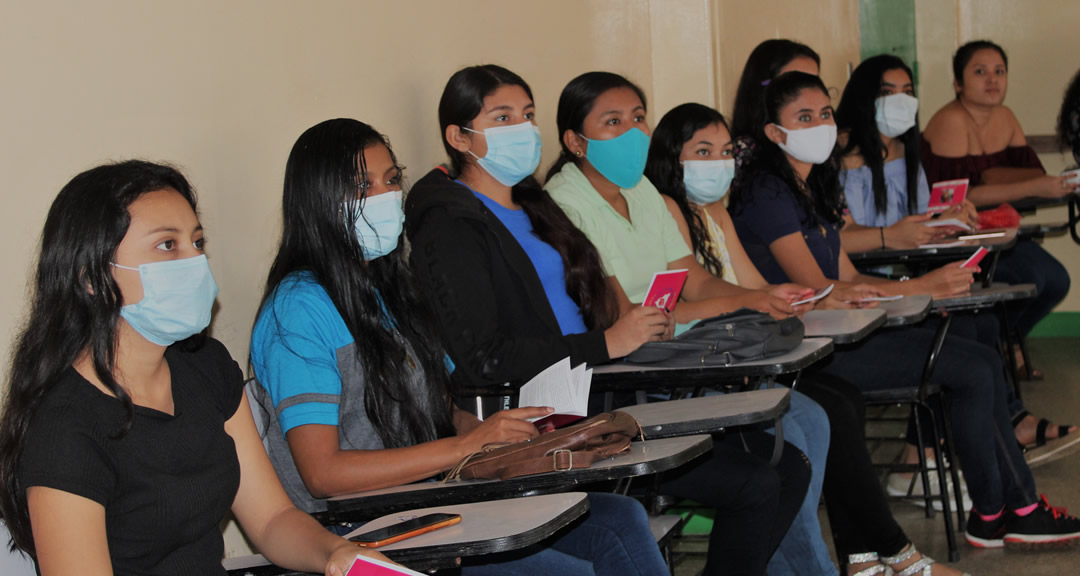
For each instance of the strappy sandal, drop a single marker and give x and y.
(920, 566)
(874, 570)
(1040, 430)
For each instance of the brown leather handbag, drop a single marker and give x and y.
(576, 446)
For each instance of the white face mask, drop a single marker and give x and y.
(810, 145)
(707, 181)
(895, 113)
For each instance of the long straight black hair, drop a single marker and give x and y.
(461, 102)
(1068, 120)
(764, 64)
(665, 170)
(857, 115)
(75, 308)
(576, 102)
(825, 198)
(325, 170)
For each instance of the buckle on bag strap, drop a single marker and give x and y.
(555, 460)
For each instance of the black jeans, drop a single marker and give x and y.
(1027, 262)
(755, 503)
(974, 384)
(858, 508)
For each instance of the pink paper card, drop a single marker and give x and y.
(665, 288)
(975, 258)
(945, 195)
(364, 566)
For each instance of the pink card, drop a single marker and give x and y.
(665, 288)
(975, 258)
(364, 566)
(947, 194)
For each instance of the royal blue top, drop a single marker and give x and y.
(547, 262)
(771, 212)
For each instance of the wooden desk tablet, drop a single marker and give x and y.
(648, 457)
(485, 528)
(843, 326)
(907, 310)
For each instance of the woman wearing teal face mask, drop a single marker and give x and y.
(126, 437)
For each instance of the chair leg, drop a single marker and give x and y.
(950, 536)
(923, 466)
(954, 466)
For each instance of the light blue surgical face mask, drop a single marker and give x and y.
(622, 159)
(177, 298)
(513, 152)
(707, 181)
(379, 224)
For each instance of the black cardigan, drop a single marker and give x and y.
(494, 316)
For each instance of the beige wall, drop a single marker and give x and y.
(224, 88)
(1041, 42)
(831, 28)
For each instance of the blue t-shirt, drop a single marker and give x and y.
(547, 262)
(306, 365)
(859, 192)
(771, 212)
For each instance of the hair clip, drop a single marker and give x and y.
(766, 82)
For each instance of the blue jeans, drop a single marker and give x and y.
(612, 539)
(803, 550)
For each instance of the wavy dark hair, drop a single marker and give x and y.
(576, 102)
(1068, 120)
(462, 101)
(764, 64)
(825, 198)
(965, 53)
(75, 308)
(856, 114)
(665, 170)
(325, 170)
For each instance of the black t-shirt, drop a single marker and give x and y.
(167, 484)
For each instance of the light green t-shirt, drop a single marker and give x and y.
(633, 250)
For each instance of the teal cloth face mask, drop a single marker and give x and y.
(707, 181)
(622, 159)
(513, 152)
(379, 224)
(177, 298)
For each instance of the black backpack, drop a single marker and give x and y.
(724, 340)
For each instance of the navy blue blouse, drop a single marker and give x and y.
(771, 212)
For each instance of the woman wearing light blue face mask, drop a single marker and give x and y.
(127, 437)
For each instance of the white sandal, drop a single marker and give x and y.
(920, 566)
(873, 570)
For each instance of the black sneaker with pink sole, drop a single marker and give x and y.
(1045, 527)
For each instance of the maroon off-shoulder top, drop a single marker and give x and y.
(940, 168)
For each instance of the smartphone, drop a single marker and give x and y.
(407, 529)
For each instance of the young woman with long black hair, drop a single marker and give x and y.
(690, 163)
(484, 234)
(126, 436)
(599, 182)
(786, 208)
(351, 369)
(886, 194)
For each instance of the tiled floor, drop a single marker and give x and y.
(1057, 397)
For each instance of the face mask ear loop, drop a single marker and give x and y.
(124, 267)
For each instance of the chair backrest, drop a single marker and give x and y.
(13, 563)
(255, 393)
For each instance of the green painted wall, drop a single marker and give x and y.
(888, 27)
